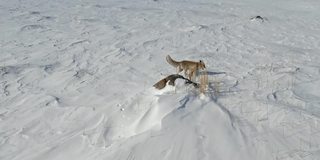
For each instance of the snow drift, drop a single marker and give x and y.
(76, 80)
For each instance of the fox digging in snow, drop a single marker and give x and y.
(189, 67)
(171, 79)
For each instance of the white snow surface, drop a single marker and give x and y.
(76, 80)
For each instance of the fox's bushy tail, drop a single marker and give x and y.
(171, 61)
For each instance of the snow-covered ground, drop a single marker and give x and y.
(76, 80)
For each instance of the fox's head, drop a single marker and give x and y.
(202, 65)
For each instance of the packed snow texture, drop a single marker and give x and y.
(76, 80)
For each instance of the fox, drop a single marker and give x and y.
(171, 79)
(190, 68)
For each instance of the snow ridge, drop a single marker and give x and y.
(76, 80)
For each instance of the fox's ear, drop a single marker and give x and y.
(200, 61)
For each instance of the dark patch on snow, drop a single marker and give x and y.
(259, 18)
(35, 13)
(32, 27)
(184, 102)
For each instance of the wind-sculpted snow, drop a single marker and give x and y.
(76, 80)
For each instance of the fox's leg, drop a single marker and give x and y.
(179, 69)
(186, 73)
(189, 75)
(192, 76)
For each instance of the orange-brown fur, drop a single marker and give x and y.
(171, 79)
(189, 67)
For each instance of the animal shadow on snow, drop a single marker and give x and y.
(221, 86)
(214, 73)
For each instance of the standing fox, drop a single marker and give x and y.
(189, 67)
